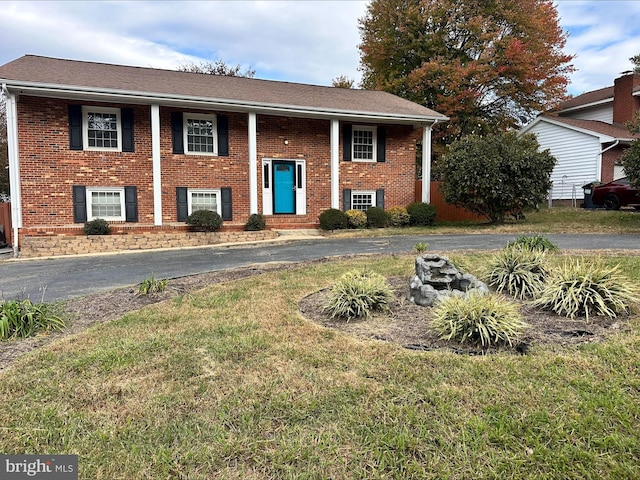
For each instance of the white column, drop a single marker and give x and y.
(253, 164)
(157, 169)
(426, 163)
(335, 164)
(14, 167)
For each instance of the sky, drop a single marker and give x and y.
(304, 41)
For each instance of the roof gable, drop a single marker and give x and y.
(604, 131)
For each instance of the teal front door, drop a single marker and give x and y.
(284, 187)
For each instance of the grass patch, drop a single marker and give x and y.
(231, 382)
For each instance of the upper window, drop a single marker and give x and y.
(101, 128)
(204, 200)
(200, 134)
(363, 144)
(106, 203)
(362, 200)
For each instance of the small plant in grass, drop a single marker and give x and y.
(517, 271)
(22, 318)
(484, 320)
(333, 219)
(583, 288)
(356, 218)
(255, 223)
(398, 216)
(151, 286)
(421, 214)
(377, 217)
(357, 293)
(536, 242)
(99, 226)
(204, 221)
(421, 247)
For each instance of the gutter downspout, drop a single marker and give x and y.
(599, 166)
(14, 167)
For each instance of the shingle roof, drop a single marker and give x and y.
(66, 77)
(588, 98)
(617, 131)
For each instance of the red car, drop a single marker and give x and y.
(616, 194)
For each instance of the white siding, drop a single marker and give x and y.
(578, 156)
(603, 113)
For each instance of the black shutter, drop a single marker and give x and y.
(176, 130)
(223, 135)
(79, 204)
(75, 127)
(182, 204)
(346, 143)
(131, 204)
(127, 129)
(346, 199)
(382, 144)
(380, 198)
(225, 193)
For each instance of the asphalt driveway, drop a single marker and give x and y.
(68, 277)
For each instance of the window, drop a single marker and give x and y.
(200, 134)
(363, 144)
(204, 200)
(362, 200)
(106, 203)
(101, 128)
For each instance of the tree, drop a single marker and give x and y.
(631, 163)
(636, 63)
(342, 82)
(216, 68)
(486, 65)
(497, 174)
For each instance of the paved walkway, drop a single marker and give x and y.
(68, 277)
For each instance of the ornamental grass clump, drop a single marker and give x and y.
(535, 242)
(483, 320)
(23, 318)
(583, 288)
(516, 271)
(357, 293)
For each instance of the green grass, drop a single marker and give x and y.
(231, 382)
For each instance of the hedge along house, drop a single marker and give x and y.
(143, 148)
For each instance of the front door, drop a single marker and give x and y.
(284, 187)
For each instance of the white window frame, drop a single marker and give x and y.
(216, 192)
(185, 129)
(374, 152)
(85, 127)
(89, 193)
(372, 193)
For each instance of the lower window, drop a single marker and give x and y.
(204, 200)
(362, 200)
(106, 203)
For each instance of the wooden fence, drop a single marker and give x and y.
(5, 221)
(444, 211)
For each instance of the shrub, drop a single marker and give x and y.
(22, 318)
(481, 319)
(421, 247)
(356, 218)
(255, 223)
(398, 216)
(518, 271)
(582, 288)
(333, 219)
(356, 293)
(99, 226)
(377, 217)
(421, 214)
(151, 286)
(204, 221)
(536, 242)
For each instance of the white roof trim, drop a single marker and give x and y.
(602, 137)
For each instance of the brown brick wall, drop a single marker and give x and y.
(609, 159)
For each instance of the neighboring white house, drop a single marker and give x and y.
(587, 136)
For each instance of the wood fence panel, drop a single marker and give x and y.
(5, 220)
(444, 211)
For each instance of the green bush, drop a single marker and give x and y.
(98, 226)
(421, 247)
(22, 318)
(357, 218)
(519, 272)
(398, 217)
(421, 214)
(484, 320)
(204, 221)
(333, 219)
(357, 293)
(377, 217)
(535, 242)
(583, 288)
(255, 223)
(152, 287)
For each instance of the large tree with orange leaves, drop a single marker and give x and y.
(485, 64)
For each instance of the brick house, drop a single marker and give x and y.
(587, 135)
(143, 148)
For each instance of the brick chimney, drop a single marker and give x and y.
(624, 103)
